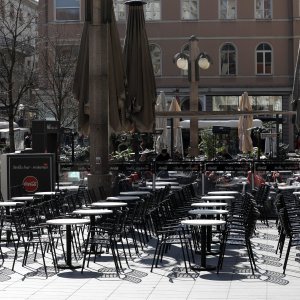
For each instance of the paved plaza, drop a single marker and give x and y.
(168, 281)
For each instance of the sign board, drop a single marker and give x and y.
(27, 173)
(130, 167)
(277, 166)
(179, 166)
(228, 166)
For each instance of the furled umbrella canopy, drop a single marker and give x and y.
(140, 103)
(245, 122)
(177, 133)
(116, 77)
(161, 123)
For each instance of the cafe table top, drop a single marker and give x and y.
(209, 204)
(10, 203)
(222, 193)
(288, 187)
(159, 183)
(22, 198)
(90, 212)
(219, 197)
(46, 193)
(68, 221)
(203, 222)
(135, 193)
(109, 204)
(208, 212)
(69, 188)
(123, 198)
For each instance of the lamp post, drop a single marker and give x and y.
(192, 62)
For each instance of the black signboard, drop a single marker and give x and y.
(130, 167)
(277, 166)
(228, 166)
(27, 173)
(179, 166)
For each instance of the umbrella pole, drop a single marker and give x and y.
(172, 138)
(98, 91)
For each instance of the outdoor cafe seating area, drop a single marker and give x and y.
(192, 229)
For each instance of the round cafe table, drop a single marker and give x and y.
(209, 204)
(46, 193)
(68, 223)
(22, 198)
(123, 198)
(135, 193)
(162, 183)
(208, 212)
(222, 193)
(108, 204)
(204, 224)
(92, 213)
(217, 198)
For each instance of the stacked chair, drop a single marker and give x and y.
(169, 231)
(288, 209)
(240, 228)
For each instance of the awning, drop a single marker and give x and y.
(222, 123)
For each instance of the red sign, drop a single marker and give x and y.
(30, 184)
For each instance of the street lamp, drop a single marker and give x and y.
(192, 62)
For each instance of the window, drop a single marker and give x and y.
(152, 10)
(119, 9)
(227, 9)
(189, 9)
(228, 60)
(267, 103)
(67, 10)
(263, 9)
(225, 103)
(263, 59)
(155, 52)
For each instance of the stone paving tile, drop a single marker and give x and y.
(168, 281)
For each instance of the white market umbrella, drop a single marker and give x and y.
(245, 122)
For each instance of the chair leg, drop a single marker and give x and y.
(287, 255)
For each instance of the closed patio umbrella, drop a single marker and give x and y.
(245, 122)
(141, 98)
(161, 123)
(116, 74)
(177, 132)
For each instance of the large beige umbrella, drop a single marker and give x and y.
(177, 133)
(245, 122)
(161, 123)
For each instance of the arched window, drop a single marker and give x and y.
(155, 52)
(264, 59)
(228, 59)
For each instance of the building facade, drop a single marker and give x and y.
(253, 45)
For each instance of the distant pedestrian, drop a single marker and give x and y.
(27, 140)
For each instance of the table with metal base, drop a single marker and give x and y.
(68, 223)
(203, 224)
